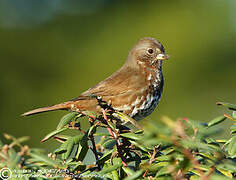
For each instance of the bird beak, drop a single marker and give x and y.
(162, 57)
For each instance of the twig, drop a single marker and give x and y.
(120, 153)
(94, 146)
(108, 129)
(93, 141)
(117, 140)
(151, 159)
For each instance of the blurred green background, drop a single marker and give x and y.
(51, 51)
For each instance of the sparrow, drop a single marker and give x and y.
(135, 89)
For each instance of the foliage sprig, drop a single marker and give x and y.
(181, 149)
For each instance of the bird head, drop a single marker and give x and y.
(148, 51)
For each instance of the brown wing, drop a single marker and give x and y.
(117, 89)
(120, 82)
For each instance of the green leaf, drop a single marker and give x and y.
(164, 158)
(207, 156)
(123, 117)
(232, 147)
(66, 119)
(69, 147)
(78, 138)
(106, 156)
(53, 133)
(168, 150)
(216, 121)
(92, 130)
(218, 177)
(128, 171)
(115, 175)
(143, 148)
(233, 129)
(194, 177)
(76, 166)
(163, 171)
(157, 166)
(59, 151)
(61, 138)
(46, 160)
(62, 149)
(228, 105)
(136, 175)
(234, 114)
(226, 173)
(14, 159)
(228, 165)
(189, 144)
(131, 136)
(101, 134)
(23, 139)
(82, 149)
(1, 144)
(221, 140)
(111, 168)
(108, 143)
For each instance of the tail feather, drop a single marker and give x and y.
(63, 106)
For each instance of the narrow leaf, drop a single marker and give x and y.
(136, 175)
(226, 173)
(53, 133)
(61, 138)
(139, 146)
(128, 171)
(131, 136)
(14, 158)
(123, 117)
(234, 114)
(45, 159)
(233, 129)
(115, 175)
(216, 121)
(163, 171)
(92, 130)
(66, 119)
(23, 139)
(105, 157)
(1, 144)
(69, 147)
(82, 149)
(228, 105)
(111, 168)
(232, 147)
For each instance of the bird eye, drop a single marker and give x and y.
(150, 51)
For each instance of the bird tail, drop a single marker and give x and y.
(62, 106)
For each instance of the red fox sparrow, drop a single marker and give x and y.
(135, 89)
